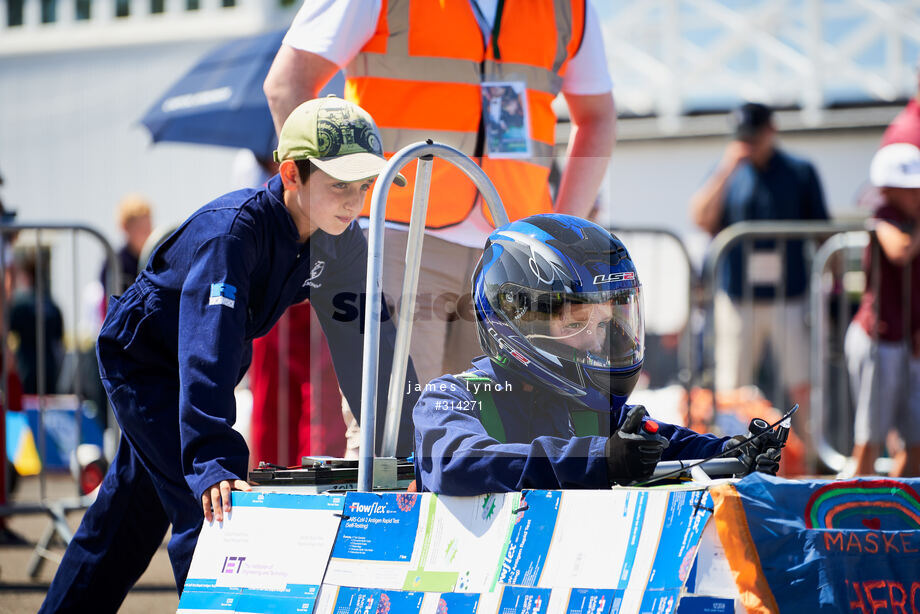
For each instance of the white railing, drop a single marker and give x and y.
(670, 57)
(104, 29)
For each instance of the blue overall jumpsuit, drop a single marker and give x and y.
(455, 455)
(171, 352)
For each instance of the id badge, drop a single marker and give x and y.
(506, 119)
(764, 268)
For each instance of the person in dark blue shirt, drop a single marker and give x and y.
(559, 314)
(24, 313)
(175, 345)
(756, 180)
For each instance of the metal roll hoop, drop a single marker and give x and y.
(425, 152)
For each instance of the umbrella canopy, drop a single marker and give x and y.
(220, 100)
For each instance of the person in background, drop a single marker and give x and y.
(25, 309)
(905, 128)
(419, 83)
(12, 389)
(756, 180)
(292, 368)
(561, 322)
(136, 223)
(250, 170)
(882, 343)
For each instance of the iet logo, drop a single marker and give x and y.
(232, 564)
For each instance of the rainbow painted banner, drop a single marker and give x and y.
(819, 546)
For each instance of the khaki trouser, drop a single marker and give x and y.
(444, 336)
(742, 334)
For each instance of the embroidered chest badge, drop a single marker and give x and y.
(223, 294)
(315, 272)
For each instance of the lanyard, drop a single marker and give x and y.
(496, 24)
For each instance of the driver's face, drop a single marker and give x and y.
(582, 326)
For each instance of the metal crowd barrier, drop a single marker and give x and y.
(425, 152)
(837, 274)
(744, 235)
(660, 256)
(68, 261)
(833, 438)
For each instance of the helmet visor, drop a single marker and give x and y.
(597, 329)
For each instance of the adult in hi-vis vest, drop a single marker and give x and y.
(479, 75)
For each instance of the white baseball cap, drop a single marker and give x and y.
(896, 166)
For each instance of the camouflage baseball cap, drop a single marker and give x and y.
(338, 136)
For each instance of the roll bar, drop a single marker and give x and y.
(425, 152)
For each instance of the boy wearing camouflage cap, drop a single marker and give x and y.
(175, 345)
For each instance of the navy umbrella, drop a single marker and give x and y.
(220, 100)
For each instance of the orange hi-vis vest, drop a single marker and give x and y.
(420, 76)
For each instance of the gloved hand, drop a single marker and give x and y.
(634, 449)
(761, 455)
(767, 462)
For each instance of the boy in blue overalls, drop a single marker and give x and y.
(560, 317)
(176, 344)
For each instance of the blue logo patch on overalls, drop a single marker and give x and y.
(223, 294)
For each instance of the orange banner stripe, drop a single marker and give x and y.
(732, 526)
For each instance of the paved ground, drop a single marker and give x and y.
(154, 593)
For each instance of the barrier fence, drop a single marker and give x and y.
(833, 280)
(838, 275)
(669, 286)
(832, 261)
(669, 283)
(43, 265)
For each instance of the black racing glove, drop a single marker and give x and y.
(634, 449)
(767, 462)
(761, 455)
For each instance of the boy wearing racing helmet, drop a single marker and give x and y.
(560, 317)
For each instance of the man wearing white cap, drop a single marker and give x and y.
(883, 341)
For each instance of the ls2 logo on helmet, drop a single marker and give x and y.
(517, 355)
(612, 277)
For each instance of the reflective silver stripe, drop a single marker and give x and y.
(414, 68)
(395, 139)
(564, 31)
(535, 77)
(396, 63)
(451, 70)
(541, 153)
(398, 27)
